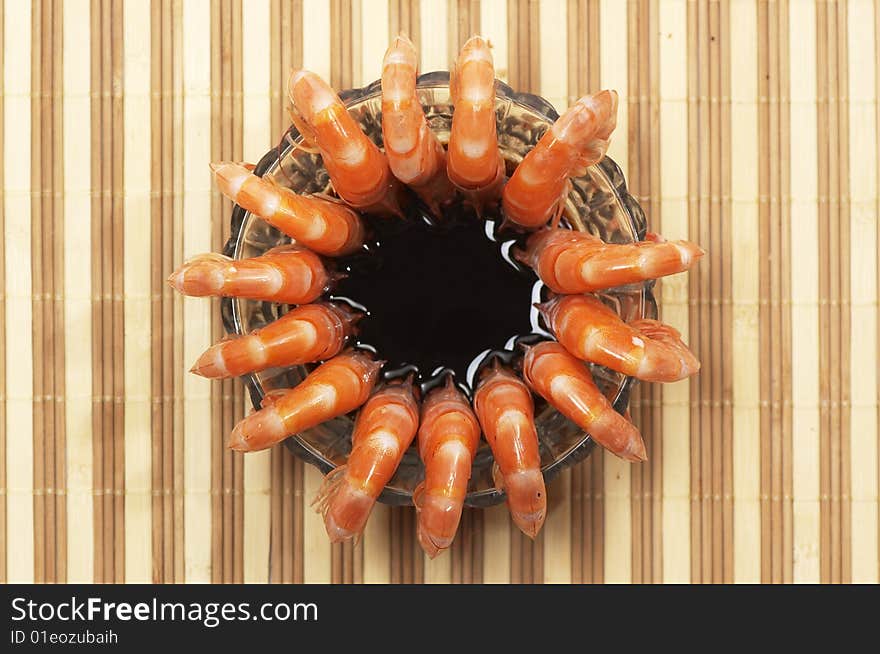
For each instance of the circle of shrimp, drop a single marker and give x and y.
(448, 428)
(358, 169)
(577, 140)
(332, 389)
(448, 438)
(308, 333)
(566, 383)
(504, 407)
(474, 162)
(645, 349)
(287, 274)
(323, 226)
(577, 262)
(384, 429)
(414, 152)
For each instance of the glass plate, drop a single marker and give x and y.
(598, 203)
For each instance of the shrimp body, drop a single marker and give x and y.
(324, 226)
(578, 139)
(506, 413)
(576, 262)
(358, 169)
(448, 438)
(566, 383)
(474, 163)
(385, 427)
(286, 274)
(415, 155)
(334, 388)
(311, 332)
(646, 349)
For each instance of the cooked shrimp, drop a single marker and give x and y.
(287, 274)
(577, 262)
(537, 189)
(566, 383)
(385, 427)
(646, 349)
(332, 389)
(414, 153)
(308, 333)
(358, 169)
(504, 407)
(474, 163)
(325, 226)
(448, 439)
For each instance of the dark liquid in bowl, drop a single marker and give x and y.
(439, 293)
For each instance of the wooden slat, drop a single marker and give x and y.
(775, 300)
(746, 544)
(48, 275)
(77, 291)
(170, 562)
(107, 287)
(227, 401)
(805, 293)
(644, 183)
(710, 319)
(523, 27)
(676, 510)
(136, 289)
(257, 138)
(616, 473)
(286, 506)
(877, 187)
(834, 229)
(863, 274)
(18, 201)
(197, 315)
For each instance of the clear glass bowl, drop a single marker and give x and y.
(598, 203)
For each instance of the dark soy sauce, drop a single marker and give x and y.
(439, 294)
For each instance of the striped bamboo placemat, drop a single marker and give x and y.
(750, 126)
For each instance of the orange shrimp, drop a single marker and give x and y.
(311, 332)
(287, 274)
(414, 153)
(577, 262)
(566, 383)
(646, 349)
(385, 427)
(448, 439)
(537, 188)
(325, 226)
(474, 163)
(506, 412)
(358, 169)
(332, 389)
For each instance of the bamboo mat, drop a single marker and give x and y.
(749, 126)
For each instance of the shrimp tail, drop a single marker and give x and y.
(345, 510)
(328, 490)
(431, 548)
